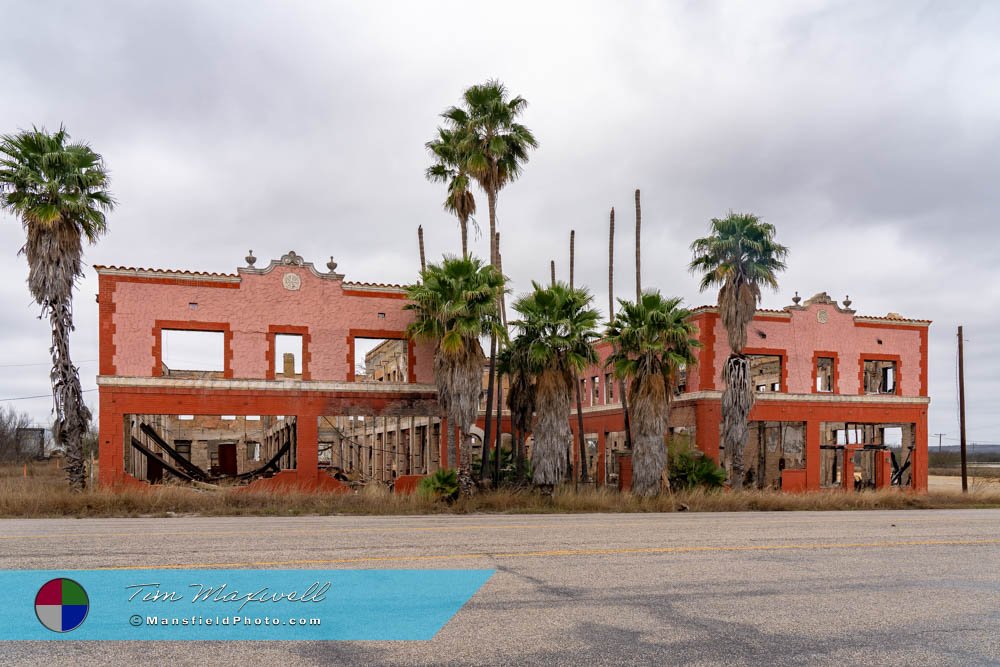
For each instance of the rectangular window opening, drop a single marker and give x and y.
(824, 374)
(184, 352)
(609, 388)
(880, 376)
(765, 372)
(288, 356)
(381, 360)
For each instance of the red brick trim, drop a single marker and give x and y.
(190, 325)
(772, 318)
(923, 362)
(276, 329)
(173, 281)
(375, 295)
(106, 341)
(411, 373)
(836, 370)
(902, 327)
(874, 356)
(706, 333)
(773, 352)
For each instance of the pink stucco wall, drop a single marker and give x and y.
(259, 302)
(799, 333)
(802, 334)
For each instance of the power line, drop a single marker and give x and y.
(25, 398)
(43, 363)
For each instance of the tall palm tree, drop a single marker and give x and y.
(494, 148)
(59, 190)
(559, 325)
(450, 153)
(455, 304)
(740, 255)
(652, 340)
(494, 145)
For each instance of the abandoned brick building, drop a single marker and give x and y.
(841, 399)
(288, 376)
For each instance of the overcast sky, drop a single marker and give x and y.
(866, 132)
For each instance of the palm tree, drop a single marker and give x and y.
(59, 191)
(455, 304)
(559, 325)
(740, 255)
(652, 340)
(450, 150)
(494, 146)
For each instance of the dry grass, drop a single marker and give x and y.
(44, 494)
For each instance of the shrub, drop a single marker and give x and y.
(690, 469)
(442, 485)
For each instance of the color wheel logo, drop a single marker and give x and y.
(61, 605)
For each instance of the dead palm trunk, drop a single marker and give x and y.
(638, 248)
(611, 316)
(582, 474)
(420, 239)
(552, 271)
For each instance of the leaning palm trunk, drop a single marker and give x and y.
(54, 255)
(649, 421)
(737, 401)
(552, 432)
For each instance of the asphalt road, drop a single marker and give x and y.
(915, 588)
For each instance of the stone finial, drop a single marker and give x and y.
(796, 299)
(332, 265)
(292, 259)
(250, 259)
(847, 301)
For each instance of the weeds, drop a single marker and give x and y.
(43, 493)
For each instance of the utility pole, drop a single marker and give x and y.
(961, 410)
(939, 436)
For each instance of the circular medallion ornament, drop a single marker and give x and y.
(291, 281)
(61, 605)
(822, 316)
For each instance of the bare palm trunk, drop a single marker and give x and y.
(638, 248)
(491, 197)
(463, 223)
(611, 316)
(581, 441)
(420, 239)
(552, 271)
(737, 401)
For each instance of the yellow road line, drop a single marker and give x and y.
(565, 552)
(308, 531)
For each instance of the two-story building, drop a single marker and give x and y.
(191, 385)
(841, 399)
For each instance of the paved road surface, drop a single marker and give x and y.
(914, 588)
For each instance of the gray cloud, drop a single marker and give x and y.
(865, 131)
